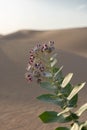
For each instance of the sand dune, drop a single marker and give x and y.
(73, 40)
(1, 36)
(22, 34)
(19, 109)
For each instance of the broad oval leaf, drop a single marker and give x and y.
(51, 99)
(51, 116)
(75, 90)
(66, 80)
(48, 116)
(81, 109)
(62, 128)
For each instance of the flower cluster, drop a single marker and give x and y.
(38, 66)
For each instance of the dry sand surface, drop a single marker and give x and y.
(19, 109)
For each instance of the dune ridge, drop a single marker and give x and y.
(72, 40)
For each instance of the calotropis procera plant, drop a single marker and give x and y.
(42, 67)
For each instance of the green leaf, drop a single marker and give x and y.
(51, 99)
(62, 128)
(73, 101)
(75, 90)
(48, 86)
(48, 116)
(55, 69)
(66, 80)
(51, 116)
(67, 90)
(57, 74)
(74, 116)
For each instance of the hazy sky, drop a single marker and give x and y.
(42, 14)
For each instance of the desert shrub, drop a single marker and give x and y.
(42, 68)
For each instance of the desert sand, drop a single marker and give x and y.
(19, 108)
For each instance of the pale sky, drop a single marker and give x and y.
(42, 14)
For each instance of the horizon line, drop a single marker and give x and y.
(26, 29)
